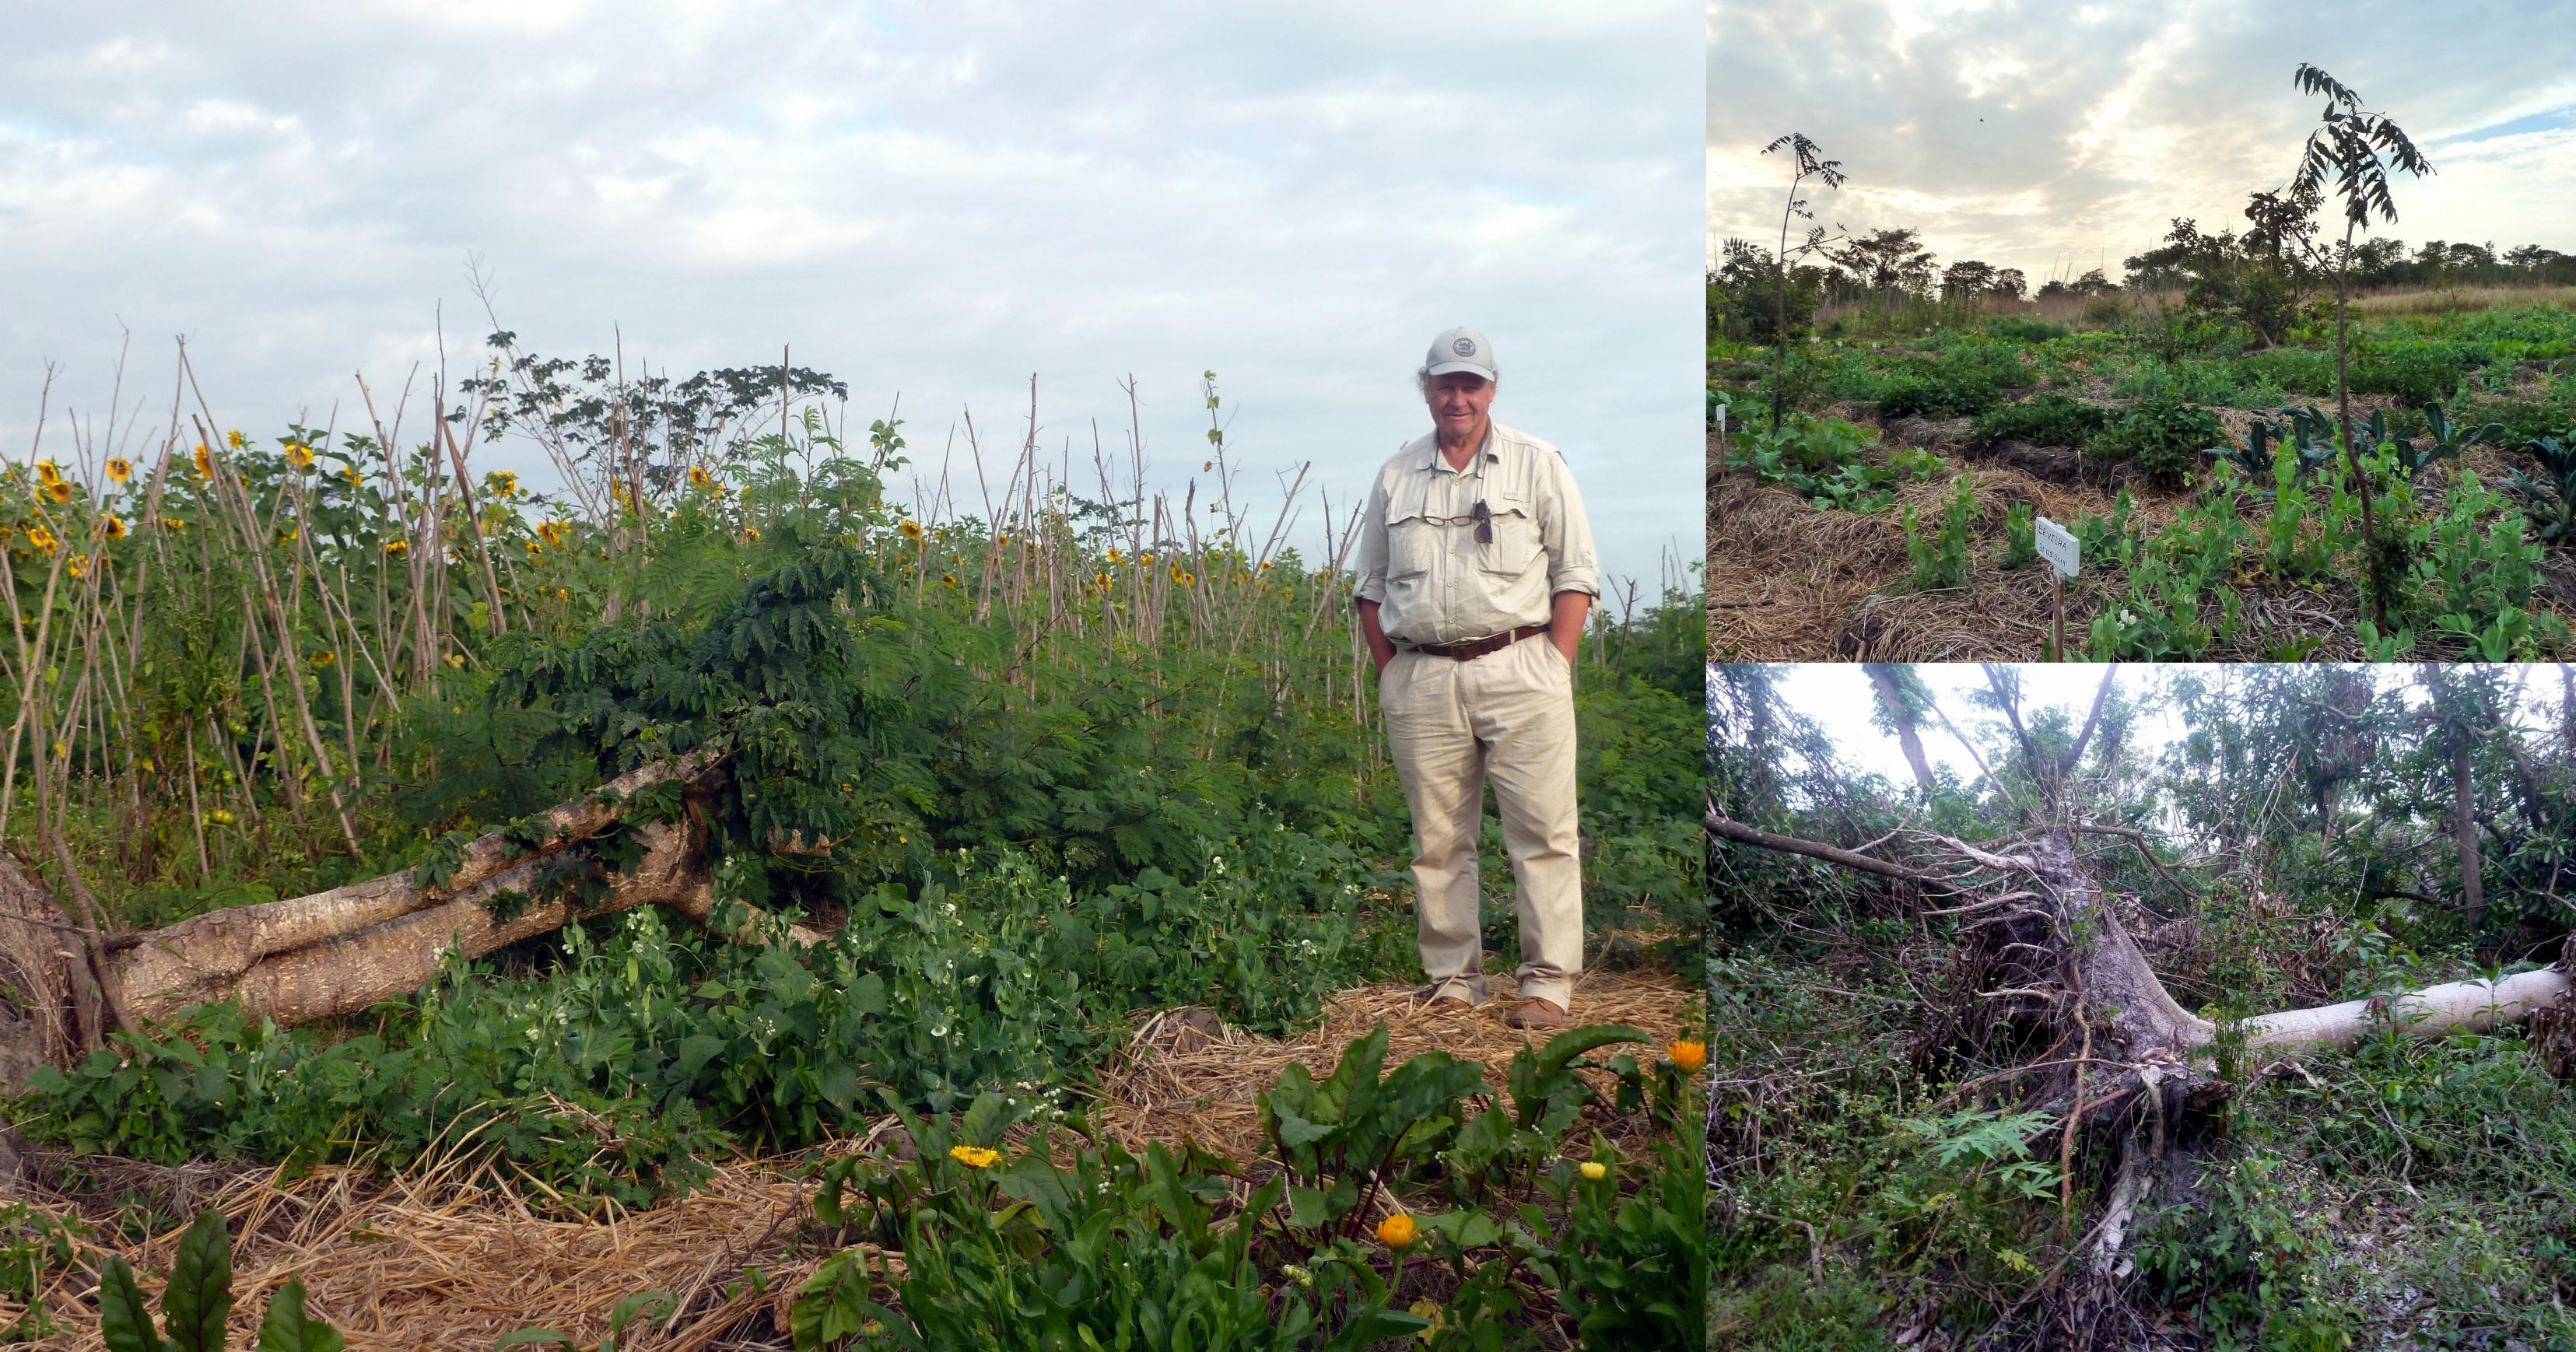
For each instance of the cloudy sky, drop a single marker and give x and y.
(2056, 138)
(932, 200)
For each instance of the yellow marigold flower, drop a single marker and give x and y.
(59, 490)
(1397, 1231)
(119, 469)
(974, 1156)
(1688, 1055)
(325, 658)
(397, 548)
(299, 455)
(911, 530)
(205, 462)
(235, 439)
(115, 527)
(1595, 1170)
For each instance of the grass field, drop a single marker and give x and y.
(1890, 516)
(1060, 792)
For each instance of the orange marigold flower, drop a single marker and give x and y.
(1688, 1055)
(1398, 1231)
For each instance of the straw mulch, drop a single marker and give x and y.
(453, 1257)
(1791, 582)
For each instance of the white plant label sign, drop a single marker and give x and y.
(2058, 545)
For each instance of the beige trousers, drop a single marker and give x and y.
(1507, 716)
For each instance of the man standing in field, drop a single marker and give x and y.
(1474, 545)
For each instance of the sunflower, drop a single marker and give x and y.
(505, 483)
(397, 548)
(948, 579)
(235, 439)
(751, 535)
(59, 491)
(299, 455)
(350, 473)
(1115, 557)
(535, 550)
(79, 566)
(173, 524)
(289, 533)
(119, 469)
(698, 477)
(553, 532)
(911, 530)
(115, 528)
(47, 471)
(325, 658)
(205, 462)
(1397, 1231)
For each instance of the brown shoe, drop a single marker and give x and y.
(1451, 1004)
(1537, 1013)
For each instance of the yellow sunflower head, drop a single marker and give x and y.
(397, 548)
(47, 471)
(119, 469)
(59, 490)
(911, 530)
(1398, 1231)
(698, 477)
(115, 527)
(299, 455)
(235, 439)
(205, 462)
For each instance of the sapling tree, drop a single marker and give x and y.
(2355, 148)
(1807, 161)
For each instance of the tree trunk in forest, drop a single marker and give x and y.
(1883, 676)
(2464, 823)
(340, 951)
(2435, 1011)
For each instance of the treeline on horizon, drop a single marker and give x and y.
(2261, 273)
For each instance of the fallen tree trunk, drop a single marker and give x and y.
(2435, 1011)
(340, 951)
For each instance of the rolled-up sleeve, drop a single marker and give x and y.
(1566, 532)
(1369, 570)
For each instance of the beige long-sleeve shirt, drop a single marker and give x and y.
(1419, 558)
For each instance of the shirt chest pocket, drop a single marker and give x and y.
(1516, 544)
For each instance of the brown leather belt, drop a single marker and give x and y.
(1463, 651)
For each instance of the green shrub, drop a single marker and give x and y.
(2025, 330)
(2296, 369)
(2042, 420)
(1941, 558)
(2416, 372)
(2164, 438)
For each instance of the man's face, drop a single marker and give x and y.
(1458, 401)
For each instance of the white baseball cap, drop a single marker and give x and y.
(1460, 349)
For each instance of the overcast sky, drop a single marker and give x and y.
(936, 200)
(2056, 138)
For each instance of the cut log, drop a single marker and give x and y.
(340, 951)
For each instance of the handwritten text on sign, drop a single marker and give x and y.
(2057, 545)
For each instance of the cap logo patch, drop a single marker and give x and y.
(1464, 347)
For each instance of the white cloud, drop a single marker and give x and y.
(938, 200)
